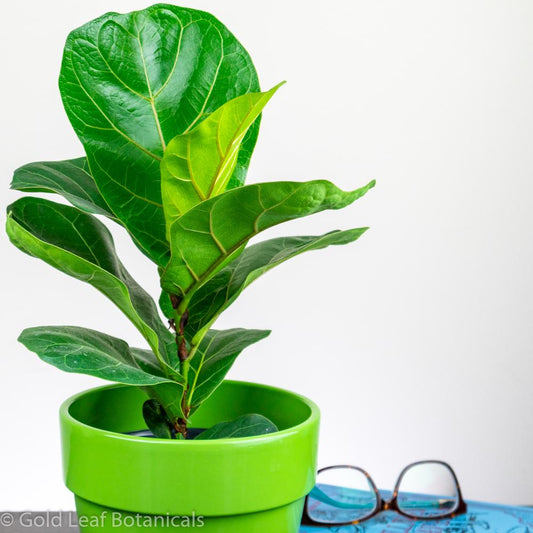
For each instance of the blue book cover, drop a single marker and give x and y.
(480, 518)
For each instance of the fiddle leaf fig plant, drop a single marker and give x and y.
(166, 103)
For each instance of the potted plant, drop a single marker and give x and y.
(166, 103)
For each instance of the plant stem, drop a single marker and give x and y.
(185, 365)
(180, 319)
(181, 316)
(182, 305)
(196, 340)
(180, 425)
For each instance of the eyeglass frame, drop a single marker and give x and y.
(392, 504)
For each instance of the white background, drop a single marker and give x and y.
(416, 341)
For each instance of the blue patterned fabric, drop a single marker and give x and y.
(480, 518)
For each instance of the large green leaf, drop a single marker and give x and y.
(251, 425)
(85, 351)
(223, 289)
(71, 179)
(81, 246)
(213, 232)
(199, 164)
(216, 354)
(130, 83)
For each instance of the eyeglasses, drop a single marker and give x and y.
(343, 495)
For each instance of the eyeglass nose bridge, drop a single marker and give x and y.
(388, 505)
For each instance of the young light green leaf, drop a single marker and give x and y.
(222, 290)
(199, 164)
(157, 420)
(71, 179)
(85, 351)
(216, 354)
(251, 425)
(81, 246)
(213, 232)
(132, 82)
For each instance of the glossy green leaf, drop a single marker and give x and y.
(166, 305)
(223, 289)
(130, 83)
(157, 419)
(169, 395)
(85, 351)
(199, 164)
(71, 179)
(245, 426)
(216, 354)
(81, 246)
(214, 231)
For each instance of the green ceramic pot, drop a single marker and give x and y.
(247, 485)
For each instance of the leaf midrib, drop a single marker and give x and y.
(111, 123)
(205, 276)
(224, 157)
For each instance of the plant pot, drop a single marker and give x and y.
(246, 485)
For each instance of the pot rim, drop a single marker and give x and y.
(313, 417)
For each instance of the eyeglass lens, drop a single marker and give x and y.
(428, 490)
(341, 494)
